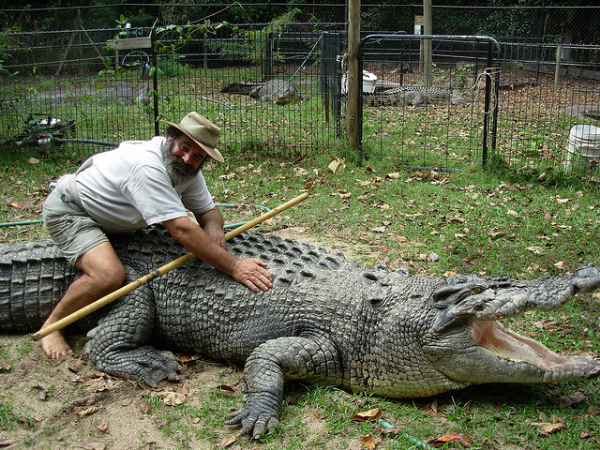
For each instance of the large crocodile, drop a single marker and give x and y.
(414, 95)
(278, 91)
(325, 320)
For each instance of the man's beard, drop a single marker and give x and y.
(178, 171)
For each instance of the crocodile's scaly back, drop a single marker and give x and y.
(33, 278)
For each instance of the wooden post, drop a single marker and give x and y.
(559, 48)
(427, 51)
(353, 77)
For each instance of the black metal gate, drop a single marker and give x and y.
(442, 115)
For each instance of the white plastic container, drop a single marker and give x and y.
(583, 150)
(369, 80)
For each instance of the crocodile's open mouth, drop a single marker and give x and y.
(496, 355)
(514, 347)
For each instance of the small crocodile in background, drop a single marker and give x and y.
(409, 95)
(326, 320)
(280, 92)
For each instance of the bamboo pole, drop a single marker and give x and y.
(156, 273)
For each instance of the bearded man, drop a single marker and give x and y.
(140, 183)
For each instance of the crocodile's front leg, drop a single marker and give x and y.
(118, 345)
(294, 358)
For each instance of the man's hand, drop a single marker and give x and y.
(252, 273)
(212, 223)
(217, 234)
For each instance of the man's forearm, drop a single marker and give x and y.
(200, 244)
(212, 217)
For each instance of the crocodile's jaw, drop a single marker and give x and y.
(501, 356)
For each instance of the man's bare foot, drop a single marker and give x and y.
(55, 346)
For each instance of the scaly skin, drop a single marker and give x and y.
(325, 320)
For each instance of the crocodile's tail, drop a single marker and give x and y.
(33, 278)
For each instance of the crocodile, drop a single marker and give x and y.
(326, 320)
(409, 95)
(278, 91)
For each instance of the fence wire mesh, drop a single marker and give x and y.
(63, 83)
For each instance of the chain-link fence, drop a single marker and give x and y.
(272, 76)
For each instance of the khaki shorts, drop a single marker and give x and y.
(73, 230)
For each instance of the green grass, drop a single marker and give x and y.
(487, 222)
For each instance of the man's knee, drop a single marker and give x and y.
(112, 278)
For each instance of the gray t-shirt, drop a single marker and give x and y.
(128, 188)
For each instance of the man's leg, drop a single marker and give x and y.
(103, 273)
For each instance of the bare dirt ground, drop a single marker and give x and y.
(68, 404)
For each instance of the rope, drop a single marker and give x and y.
(489, 72)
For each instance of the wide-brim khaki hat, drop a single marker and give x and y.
(202, 131)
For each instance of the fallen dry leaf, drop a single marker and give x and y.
(42, 392)
(96, 385)
(463, 439)
(494, 234)
(317, 414)
(126, 401)
(188, 358)
(547, 428)
(541, 324)
(561, 265)
(342, 193)
(89, 411)
(228, 441)
(300, 172)
(103, 427)
(336, 164)
(368, 442)
(226, 389)
(370, 415)
(6, 442)
(573, 399)
(14, 205)
(537, 250)
(172, 398)
(76, 366)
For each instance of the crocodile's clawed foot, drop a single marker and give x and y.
(255, 421)
(142, 363)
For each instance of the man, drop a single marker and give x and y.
(140, 183)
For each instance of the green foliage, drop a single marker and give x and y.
(251, 44)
